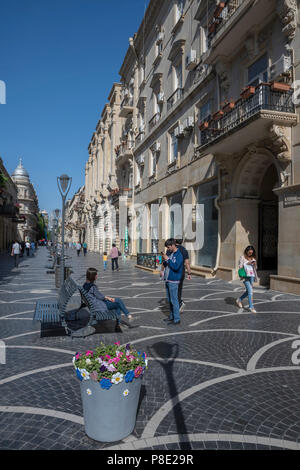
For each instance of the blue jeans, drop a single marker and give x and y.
(248, 282)
(172, 295)
(104, 265)
(118, 305)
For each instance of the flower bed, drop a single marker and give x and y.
(110, 365)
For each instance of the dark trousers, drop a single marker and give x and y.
(27, 251)
(114, 262)
(16, 258)
(84, 251)
(78, 252)
(180, 285)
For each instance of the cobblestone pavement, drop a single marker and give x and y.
(222, 379)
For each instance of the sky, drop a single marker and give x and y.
(58, 60)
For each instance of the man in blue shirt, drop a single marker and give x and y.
(173, 274)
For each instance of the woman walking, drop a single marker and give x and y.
(247, 272)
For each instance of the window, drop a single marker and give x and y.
(206, 195)
(178, 76)
(205, 111)
(152, 163)
(204, 40)
(258, 71)
(179, 9)
(175, 221)
(137, 175)
(173, 151)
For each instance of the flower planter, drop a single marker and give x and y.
(111, 378)
(278, 86)
(228, 107)
(219, 9)
(247, 92)
(218, 115)
(204, 126)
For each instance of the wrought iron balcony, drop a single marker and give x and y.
(223, 13)
(247, 110)
(153, 121)
(124, 148)
(126, 106)
(174, 98)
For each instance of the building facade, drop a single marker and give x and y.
(74, 226)
(28, 204)
(208, 135)
(9, 210)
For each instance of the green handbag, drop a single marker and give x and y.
(242, 272)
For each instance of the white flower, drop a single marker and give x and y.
(88, 361)
(73, 362)
(117, 378)
(146, 362)
(111, 368)
(126, 392)
(84, 373)
(89, 391)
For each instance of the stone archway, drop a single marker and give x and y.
(255, 177)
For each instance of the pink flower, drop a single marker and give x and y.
(116, 360)
(89, 353)
(107, 356)
(111, 368)
(138, 371)
(94, 376)
(117, 343)
(78, 355)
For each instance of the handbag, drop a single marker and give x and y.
(242, 272)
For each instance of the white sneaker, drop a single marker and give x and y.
(182, 307)
(239, 303)
(129, 317)
(252, 310)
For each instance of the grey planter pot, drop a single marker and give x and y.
(110, 416)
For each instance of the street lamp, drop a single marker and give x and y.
(64, 183)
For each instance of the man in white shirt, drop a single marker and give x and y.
(15, 252)
(78, 248)
(27, 246)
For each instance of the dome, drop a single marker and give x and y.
(20, 172)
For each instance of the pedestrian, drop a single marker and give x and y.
(78, 248)
(32, 246)
(114, 254)
(248, 274)
(15, 252)
(27, 246)
(172, 276)
(186, 265)
(101, 302)
(104, 260)
(84, 248)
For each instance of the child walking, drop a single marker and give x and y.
(104, 261)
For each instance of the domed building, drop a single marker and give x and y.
(28, 202)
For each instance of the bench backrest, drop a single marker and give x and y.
(86, 300)
(68, 288)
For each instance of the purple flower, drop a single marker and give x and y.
(105, 383)
(127, 346)
(102, 368)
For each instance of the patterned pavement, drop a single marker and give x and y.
(222, 379)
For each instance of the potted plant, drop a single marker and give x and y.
(204, 126)
(111, 378)
(228, 106)
(218, 115)
(219, 9)
(248, 91)
(280, 86)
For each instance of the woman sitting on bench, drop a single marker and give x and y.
(102, 302)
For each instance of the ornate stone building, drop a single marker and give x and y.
(9, 210)
(209, 113)
(28, 204)
(74, 226)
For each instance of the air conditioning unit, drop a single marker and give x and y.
(280, 67)
(188, 122)
(160, 37)
(156, 147)
(160, 97)
(179, 131)
(191, 60)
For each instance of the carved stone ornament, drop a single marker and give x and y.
(281, 145)
(287, 11)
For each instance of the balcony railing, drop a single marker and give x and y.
(153, 121)
(224, 16)
(174, 98)
(264, 98)
(127, 192)
(9, 210)
(123, 148)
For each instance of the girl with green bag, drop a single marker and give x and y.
(247, 272)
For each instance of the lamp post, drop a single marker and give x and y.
(56, 212)
(64, 183)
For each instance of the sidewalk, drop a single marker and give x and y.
(223, 379)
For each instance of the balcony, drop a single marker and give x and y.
(174, 98)
(126, 107)
(9, 210)
(231, 24)
(249, 121)
(124, 150)
(153, 121)
(125, 193)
